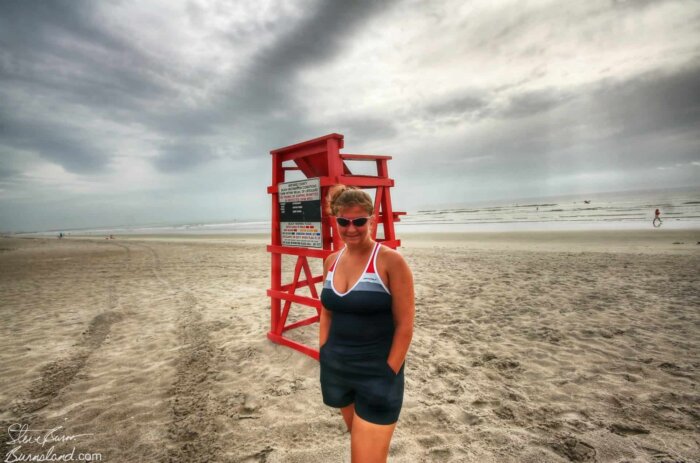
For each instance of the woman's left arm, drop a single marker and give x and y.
(403, 308)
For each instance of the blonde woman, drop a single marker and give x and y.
(366, 328)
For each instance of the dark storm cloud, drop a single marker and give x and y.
(62, 48)
(264, 107)
(29, 24)
(657, 107)
(637, 123)
(61, 144)
(61, 56)
(64, 55)
(319, 37)
(56, 57)
(653, 103)
(650, 103)
(182, 156)
(265, 103)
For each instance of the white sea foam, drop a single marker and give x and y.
(680, 209)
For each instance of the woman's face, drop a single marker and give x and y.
(351, 233)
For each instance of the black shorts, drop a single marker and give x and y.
(366, 380)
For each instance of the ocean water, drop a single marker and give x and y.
(680, 209)
(223, 228)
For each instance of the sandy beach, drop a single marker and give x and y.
(528, 347)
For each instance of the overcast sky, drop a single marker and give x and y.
(132, 112)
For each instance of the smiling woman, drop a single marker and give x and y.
(366, 327)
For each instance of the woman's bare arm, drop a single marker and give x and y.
(403, 307)
(326, 315)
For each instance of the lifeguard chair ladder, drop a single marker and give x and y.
(320, 158)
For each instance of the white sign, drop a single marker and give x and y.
(301, 234)
(300, 190)
(300, 213)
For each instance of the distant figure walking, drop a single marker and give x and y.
(657, 219)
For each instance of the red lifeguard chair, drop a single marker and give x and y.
(318, 159)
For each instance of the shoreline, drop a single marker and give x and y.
(643, 241)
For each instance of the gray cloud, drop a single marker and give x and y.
(369, 127)
(59, 48)
(79, 89)
(271, 83)
(7, 172)
(472, 106)
(262, 103)
(56, 56)
(530, 103)
(655, 102)
(643, 104)
(65, 145)
(622, 126)
(27, 24)
(636, 4)
(182, 156)
(469, 104)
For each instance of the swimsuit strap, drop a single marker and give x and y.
(373, 259)
(337, 258)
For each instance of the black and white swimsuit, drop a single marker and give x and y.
(353, 360)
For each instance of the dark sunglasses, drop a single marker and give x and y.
(358, 222)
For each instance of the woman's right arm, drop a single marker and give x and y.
(325, 317)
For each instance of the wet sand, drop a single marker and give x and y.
(528, 347)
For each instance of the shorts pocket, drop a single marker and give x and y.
(390, 370)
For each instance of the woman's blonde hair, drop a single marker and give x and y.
(342, 196)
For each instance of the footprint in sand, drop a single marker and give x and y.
(573, 449)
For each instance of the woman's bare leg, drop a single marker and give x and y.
(369, 442)
(348, 413)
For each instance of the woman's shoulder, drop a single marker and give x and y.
(330, 258)
(389, 256)
(393, 268)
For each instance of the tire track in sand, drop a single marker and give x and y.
(58, 374)
(193, 426)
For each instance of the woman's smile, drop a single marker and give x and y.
(352, 233)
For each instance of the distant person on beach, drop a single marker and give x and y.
(366, 327)
(657, 219)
